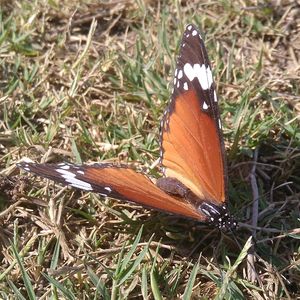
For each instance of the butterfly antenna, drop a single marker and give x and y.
(232, 231)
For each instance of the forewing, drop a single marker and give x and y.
(121, 183)
(192, 148)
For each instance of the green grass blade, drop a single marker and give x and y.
(129, 255)
(64, 290)
(25, 277)
(99, 285)
(144, 283)
(224, 288)
(189, 287)
(127, 273)
(17, 292)
(154, 286)
(55, 256)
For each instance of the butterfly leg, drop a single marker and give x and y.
(172, 186)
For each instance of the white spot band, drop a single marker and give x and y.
(70, 178)
(203, 74)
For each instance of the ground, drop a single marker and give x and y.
(87, 81)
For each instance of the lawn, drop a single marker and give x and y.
(88, 81)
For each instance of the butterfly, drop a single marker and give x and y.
(194, 181)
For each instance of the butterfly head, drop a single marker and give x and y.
(218, 216)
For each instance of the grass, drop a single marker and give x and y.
(76, 90)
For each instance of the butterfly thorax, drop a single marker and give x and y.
(216, 215)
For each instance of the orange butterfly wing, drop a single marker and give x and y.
(191, 139)
(118, 182)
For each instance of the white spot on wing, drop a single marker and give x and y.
(203, 74)
(70, 178)
(180, 74)
(80, 172)
(189, 27)
(108, 189)
(205, 106)
(215, 96)
(65, 167)
(79, 186)
(185, 86)
(189, 71)
(194, 32)
(220, 124)
(209, 77)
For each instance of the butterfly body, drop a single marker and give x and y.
(194, 182)
(216, 215)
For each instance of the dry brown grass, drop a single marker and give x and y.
(67, 96)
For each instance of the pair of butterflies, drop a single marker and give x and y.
(194, 184)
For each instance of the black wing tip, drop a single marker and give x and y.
(190, 26)
(27, 166)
